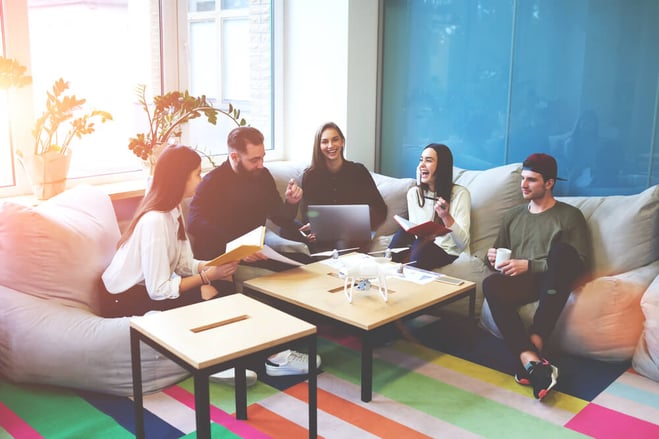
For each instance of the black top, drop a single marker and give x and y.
(227, 205)
(353, 184)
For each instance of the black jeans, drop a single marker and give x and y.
(505, 294)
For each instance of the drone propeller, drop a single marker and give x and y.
(391, 250)
(330, 253)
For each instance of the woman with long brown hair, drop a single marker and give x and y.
(332, 179)
(153, 268)
(436, 198)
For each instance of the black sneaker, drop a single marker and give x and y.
(543, 376)
(522, 377)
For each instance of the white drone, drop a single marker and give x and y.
(358, 273)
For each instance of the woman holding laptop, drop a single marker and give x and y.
(333, 180)
(436, 198)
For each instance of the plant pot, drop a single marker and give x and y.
(47, 173)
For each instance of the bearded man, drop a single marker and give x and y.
(237, 197)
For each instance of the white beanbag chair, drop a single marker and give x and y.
(52, 259)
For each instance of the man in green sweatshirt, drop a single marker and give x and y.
(550, 253)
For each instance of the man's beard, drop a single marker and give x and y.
(241, 170)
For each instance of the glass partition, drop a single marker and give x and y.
(497, 80)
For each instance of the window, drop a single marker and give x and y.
(105, 48)
(230, 61)
(6, 168)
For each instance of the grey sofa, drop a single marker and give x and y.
(603, 319)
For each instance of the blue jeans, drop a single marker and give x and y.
(426, 254)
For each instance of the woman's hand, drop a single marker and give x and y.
(305, 231)
(442, 208)
(208, 292)
(224, 271)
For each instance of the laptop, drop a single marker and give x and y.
(340, 225)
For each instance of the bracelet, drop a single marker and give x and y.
(204, 278)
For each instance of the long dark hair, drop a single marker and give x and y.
(443, 174)
(171, 174)
(317, 158)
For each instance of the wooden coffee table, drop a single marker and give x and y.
(317, 288)
(211, 336)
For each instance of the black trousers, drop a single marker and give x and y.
(505, 294)
(136, 301)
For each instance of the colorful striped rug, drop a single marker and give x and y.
(419, 391)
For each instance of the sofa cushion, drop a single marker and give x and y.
(394, 193)
(601, 320)
(42, 341)
(59, 249)
(624, 229)
(646, 355)
(493, 192)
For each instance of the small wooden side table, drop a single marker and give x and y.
(208, 337)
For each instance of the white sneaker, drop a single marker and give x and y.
(229, 377)
(289, 362)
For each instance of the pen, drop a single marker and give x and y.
(443, 206)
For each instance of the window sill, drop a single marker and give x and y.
(116, 191)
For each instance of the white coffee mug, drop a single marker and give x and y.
(503, 254)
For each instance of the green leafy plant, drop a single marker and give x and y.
(166, 116)
(52, 132)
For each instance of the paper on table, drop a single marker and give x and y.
(419, 277)
(274, 255)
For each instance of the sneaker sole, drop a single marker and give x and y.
(554, 380)
(250, 380)
(277, 371)
(522, 381)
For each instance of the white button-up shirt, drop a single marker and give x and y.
(153, 256)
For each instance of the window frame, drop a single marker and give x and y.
(174, 73)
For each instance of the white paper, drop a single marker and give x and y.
(274, 255)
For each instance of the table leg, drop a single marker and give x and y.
(472, 304)
(367, 367)
(136, 364)
(241, 391)
(202, 405)
(313, 389)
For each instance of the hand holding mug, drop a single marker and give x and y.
(502, 255)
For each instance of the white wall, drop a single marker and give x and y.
(330, 70)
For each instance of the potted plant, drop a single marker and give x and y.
(170, 111)
(64, 119)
